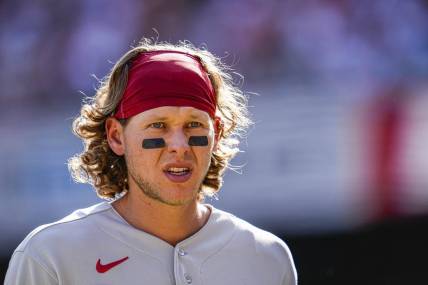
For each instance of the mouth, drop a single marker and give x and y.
(178, 173)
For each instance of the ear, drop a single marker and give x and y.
(218, 131)
(114, 133)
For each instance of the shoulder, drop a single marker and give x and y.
(263, 242)
(261, 250)
(37, 259)
(48, 235)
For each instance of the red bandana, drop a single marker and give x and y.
(166, 78)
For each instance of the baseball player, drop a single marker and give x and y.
(158, 136)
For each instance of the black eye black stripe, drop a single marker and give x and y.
(153, 143)
(198, 141)
(160, 142)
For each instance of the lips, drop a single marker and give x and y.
(178, 172)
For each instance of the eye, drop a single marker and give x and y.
(157, 125)
(194, 125)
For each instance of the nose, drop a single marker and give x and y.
(177, 142)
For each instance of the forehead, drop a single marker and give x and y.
(172, 113)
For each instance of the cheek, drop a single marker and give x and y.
(204, 153)
(133, 149)
(140, 157)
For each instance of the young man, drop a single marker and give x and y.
(158, 135)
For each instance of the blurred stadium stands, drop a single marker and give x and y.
(336, 163)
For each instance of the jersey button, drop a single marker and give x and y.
(181, 252)
(188, 279)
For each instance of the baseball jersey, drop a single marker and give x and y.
(97, 246)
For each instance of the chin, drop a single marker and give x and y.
(177, 202)
(179, 197)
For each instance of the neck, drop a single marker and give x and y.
(169, 223)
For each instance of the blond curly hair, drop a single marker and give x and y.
(99, 166)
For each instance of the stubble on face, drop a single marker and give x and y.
(153, 191)
(151, 182)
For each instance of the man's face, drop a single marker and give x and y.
(171, 174)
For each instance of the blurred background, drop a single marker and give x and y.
(336, 164)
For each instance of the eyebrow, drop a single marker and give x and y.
(195, 117)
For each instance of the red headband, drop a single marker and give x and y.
(166, 78)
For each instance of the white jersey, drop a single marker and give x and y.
(97, 246)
